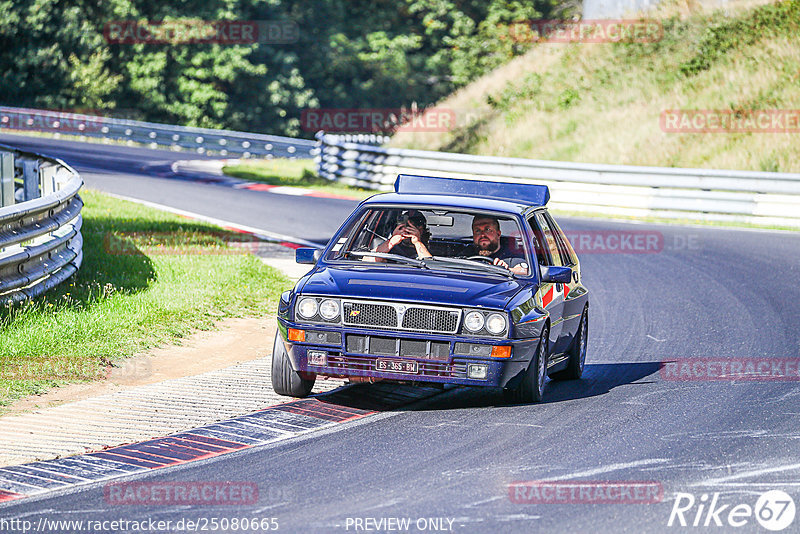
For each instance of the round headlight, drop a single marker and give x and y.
(329, 309)
(307, 307)
(496, 324)
(473, 321)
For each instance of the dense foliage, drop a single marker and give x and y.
(347, 54)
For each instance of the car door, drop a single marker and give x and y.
(573, 291)
(551, 295)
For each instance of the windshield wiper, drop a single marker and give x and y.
(388, 256)
(471, 264)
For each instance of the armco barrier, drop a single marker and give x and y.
(712, 195)
(200, 140)
(40, 223)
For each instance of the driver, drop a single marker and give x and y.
(410, 237)
(486, 242)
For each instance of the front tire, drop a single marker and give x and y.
(531, 389)
(285, 380)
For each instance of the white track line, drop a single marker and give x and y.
(747, 474)
(612, 467)
(258, 232)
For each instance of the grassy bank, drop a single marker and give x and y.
(291, 173)
(602, 103)
(148, 278)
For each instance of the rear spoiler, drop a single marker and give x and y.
(520, 193)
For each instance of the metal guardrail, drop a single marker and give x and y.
(154, 135)
(40, 224)
(712, 195)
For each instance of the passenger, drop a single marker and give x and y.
(410, 237)
(486, 242)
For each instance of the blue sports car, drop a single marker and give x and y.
(444, 281)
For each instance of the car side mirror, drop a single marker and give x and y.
(556, 274)
(307, 255)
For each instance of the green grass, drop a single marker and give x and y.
(148, 278)
(292, 173)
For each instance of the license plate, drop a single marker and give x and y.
(397, 366)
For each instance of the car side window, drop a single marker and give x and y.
(550, 240)
(568, 256)
(542, 250)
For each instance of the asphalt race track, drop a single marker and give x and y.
(445, 463)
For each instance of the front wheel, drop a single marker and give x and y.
(285, 380)
(531, 389)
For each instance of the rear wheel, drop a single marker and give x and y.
(285, 380)
(577, 354)
(531, 389)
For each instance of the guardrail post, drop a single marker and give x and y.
(6, 179)
(47, 178)
(30, 180)
(319, 157)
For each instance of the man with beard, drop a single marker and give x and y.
(486, 242)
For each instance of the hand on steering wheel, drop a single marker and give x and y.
(495, 261)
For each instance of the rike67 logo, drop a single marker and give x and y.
(774, 510)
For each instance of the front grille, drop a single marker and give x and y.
(418, 349)
(356, 344)
(431, 320)
(364, 314)
(440, 350)
(426, 368)
(407, 317)
(414, 348)
(383, 346)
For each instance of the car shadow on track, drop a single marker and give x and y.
(600, 378)
(597, 379)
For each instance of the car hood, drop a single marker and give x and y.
(410, 284)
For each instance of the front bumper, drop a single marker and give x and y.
(444, 367)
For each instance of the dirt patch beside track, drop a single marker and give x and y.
(231, 341)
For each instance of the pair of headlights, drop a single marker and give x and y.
(309, 307)
(495, 323)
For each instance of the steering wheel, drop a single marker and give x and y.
(484, 258)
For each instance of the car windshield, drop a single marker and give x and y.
(478, 241)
